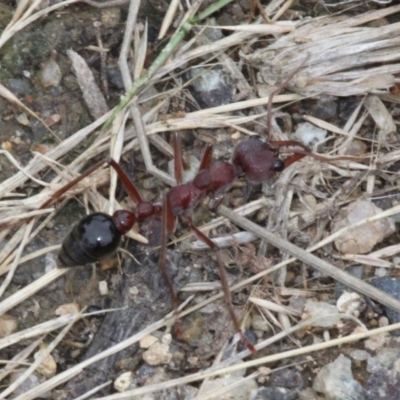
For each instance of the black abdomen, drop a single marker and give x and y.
(93, 238)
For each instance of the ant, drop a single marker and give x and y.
(98, 235)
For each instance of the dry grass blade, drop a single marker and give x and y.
(331, 44)
(40, 329)
(94, 99)
(225, 241)
(381, 116)
(168, 19)
(88, 394)
(140, 51)
(29, 290)
(270, 305)
(261, 29)
(367, 260)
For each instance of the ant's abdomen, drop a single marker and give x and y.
(93, 238)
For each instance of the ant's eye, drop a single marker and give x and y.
(278, 165)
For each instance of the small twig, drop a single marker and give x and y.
(168, 19)
(103, 63)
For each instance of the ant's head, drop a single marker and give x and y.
(124, 220)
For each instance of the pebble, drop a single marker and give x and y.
(42, 149)
(325, 108)
(314, 309)
(147, 341)
(150, 183)
(22, 119)
(7, 146)
(359, 355)
(52, 119)
(103, 288)
(375, 342)
(275, 393)
(68, 308)
(260, 323)
(50, 74)
(157, 354)
(212, 34)
(287, 378)
(50, 262)
(239, 392)
(48, 366)
(110, 17)
(383, 321)
(382, 385)
(115, 77)
(19, 86)
(124, 382)
(362, 239)
(8, 325)
(349, 302)
(309, 134)
(391, 286)
(210, 87)
(384, 359)
(354, 270)
(308, 394)
(346, 107)
(336, 382)
(380, 272)
(356, 148)
(144, 372)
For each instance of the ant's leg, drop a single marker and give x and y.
(287, 143)
(179, 166)
(206, 160)
(178, 160)
(128, 185)
(166, 221)
(57, 194)
(224, 283)
(294, 158)
(276, 92)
